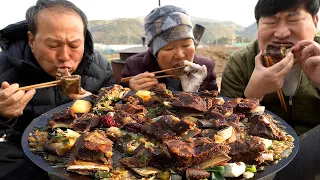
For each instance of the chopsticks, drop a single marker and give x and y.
(41, 85)
(126, 79)
(268, 62)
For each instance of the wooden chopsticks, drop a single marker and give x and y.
(269, 62)
(41, 85)
(126, 79)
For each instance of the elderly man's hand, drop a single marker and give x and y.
(266, 80)
(193, 77)
(143, 81)
(307, 53)
(13, 102)
(81, 95)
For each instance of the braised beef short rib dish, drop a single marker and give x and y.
(91, 152)
(159, 134)
(277, 51)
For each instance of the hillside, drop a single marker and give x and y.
(117, 31)
(219, 55)
(249, 32)
(130, 31)
(217, 30)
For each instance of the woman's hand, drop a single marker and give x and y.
(143, 81)
(307, 53)
(266, 80)
(13, 102)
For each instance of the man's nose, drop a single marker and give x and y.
(282, 31)
(64, 54)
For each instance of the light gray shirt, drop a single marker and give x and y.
(291, 80)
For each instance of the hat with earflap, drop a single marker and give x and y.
(166, 24)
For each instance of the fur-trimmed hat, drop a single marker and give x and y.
(166, 24)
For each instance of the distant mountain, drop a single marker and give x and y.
(249, 32)
(117, 31)
(215, 31)
(130, 31)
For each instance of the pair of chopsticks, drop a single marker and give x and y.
(269, 62)
(126, 79)
(41, 85)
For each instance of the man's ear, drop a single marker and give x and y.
(31, 40)
(315, 21)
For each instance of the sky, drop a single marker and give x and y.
(239, 11)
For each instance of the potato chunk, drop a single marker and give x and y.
(81, 106)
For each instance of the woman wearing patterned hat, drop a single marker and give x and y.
(170, 41)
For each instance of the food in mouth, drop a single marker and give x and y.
(70, 84)
(179, 71)
(61, 72)
(277, 51)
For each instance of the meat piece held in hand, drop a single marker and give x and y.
(277, 51)
(71, 84)
(181, 67)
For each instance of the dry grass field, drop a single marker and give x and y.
(219, 54)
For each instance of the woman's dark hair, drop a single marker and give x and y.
(63, 5)
(265, 8)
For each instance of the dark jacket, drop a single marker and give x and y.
(18, 65)
(146, 61)
(303, 108)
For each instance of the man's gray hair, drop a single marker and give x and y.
(64, 5)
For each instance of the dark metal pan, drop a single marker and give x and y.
(42, 120)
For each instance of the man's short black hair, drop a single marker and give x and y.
(63, 5)
(265, 8)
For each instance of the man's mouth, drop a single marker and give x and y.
(283, 42)
(64, 67)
